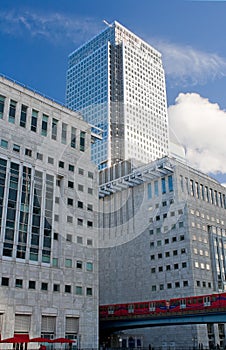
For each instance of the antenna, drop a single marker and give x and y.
(108, 24)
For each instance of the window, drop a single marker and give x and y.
(73, 137)
(71, 168)
(70, 201)
(185, 283)
(44, 125)
(81, 171)
(89, 207)
(39, 156)
(80, 187)
(82, 141)
(19, 283)
(55, 236)
(64, 133)
(176, 266)
(70, 219)
(50, 160)
(34, 120)
(89, 266)
(5, 281)
(177, 284)
(44, 286)
(79, 240)
(80, 222)
(12, 111)
(184, 264)
(54, 128)
(4, 143)
(169, 285)
(149, 191)
(168, 268)
(89, 291)
(31, 284)
(69, 237)
(78, 290)
(16, 148)
(2, 103)
(23, 116)
(90, 175)
(67, 288)
(80, 204)
(90, 190)
(170, 183)
(181, 224)
(156, 188)
(56, 287)
(89, 242)
(163, 180)
(28, 152)
(89, 223)
(153, 270)
(55, 262)
(61, 164)
(153, 288)
(70, 184)
(68, 262)
(79, 264)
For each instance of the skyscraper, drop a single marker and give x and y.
(116, 81)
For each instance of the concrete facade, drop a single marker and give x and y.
(48, 201)
(162, 236)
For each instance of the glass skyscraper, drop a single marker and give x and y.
(117, 82)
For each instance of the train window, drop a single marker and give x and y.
(152, 306)
(111, 310)
(206, 301)
(182, 303)
(130, 308)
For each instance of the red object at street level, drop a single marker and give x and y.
(18, 338)
(62, 340)
(40, 340)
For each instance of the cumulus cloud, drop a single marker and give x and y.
(185, 65)
(200, 127)
(54, 27)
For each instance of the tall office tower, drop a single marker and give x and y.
(48, 237)
(162, 235)
(116, 81)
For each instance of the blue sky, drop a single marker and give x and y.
(37, 36)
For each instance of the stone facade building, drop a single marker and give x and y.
(162, 236)
(48, 223)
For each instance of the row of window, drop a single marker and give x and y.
(169, 267)
(200, 191)
(168, 254)
(69, 237)
(154, 189)
(45, 286)
(45, 125)
(170, 285)
(78, 264)
(164, 229)
(80, 221)
(158, 243)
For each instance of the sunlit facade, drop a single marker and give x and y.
(116, 81)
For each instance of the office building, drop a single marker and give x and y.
(48, 228)
(162, 236)
(116, 81)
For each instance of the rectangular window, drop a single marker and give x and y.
(23, 116)
(78, 290)
(61, 164)
(89, 291)
(12, 111)
(19, 283)
(64, 133)
(68, 263)
(34, 120)
(54, 129)
(2, 103)
(89, 266)
(156, 188)
(31, 284)
(71, 168)
(170, 183)
(44, 286)
(90, 175)
(5, 281)
(56, 287)
(16, 148)
(4, 143)
(82, 141)
(55, 262)
(163, 180)
(28, 152)
(73, 137)
(39, 156)
(44, 125)
(149, 191)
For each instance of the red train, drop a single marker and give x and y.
(210, 302)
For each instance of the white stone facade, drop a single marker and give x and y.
(162, 236)
(48, 205)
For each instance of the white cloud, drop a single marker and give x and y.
(185, 65)
(200, 127)
(54, 27)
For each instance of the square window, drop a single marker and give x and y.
(90, 174)
(50, 160)
(81, 171)
(79, 240)
(78, 290)
(177, 284)
(5, 281)
(168, 267)
(4, 143)
(28, 152)
(176, 266)
(89, 242)
(16, 148)
(69, 237)
(56, 287)
(71, 168)
(90, 190)
(80, 222)
(169, 285)
(39, 156)
(80, 187)
(70, 184)
(61, 164)
(153, 288)
(31, 284)
(185, 283)
(70, 201)
(89, 223)
(90, 207)
(44, 286)
(70, 219)
(68, 262)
